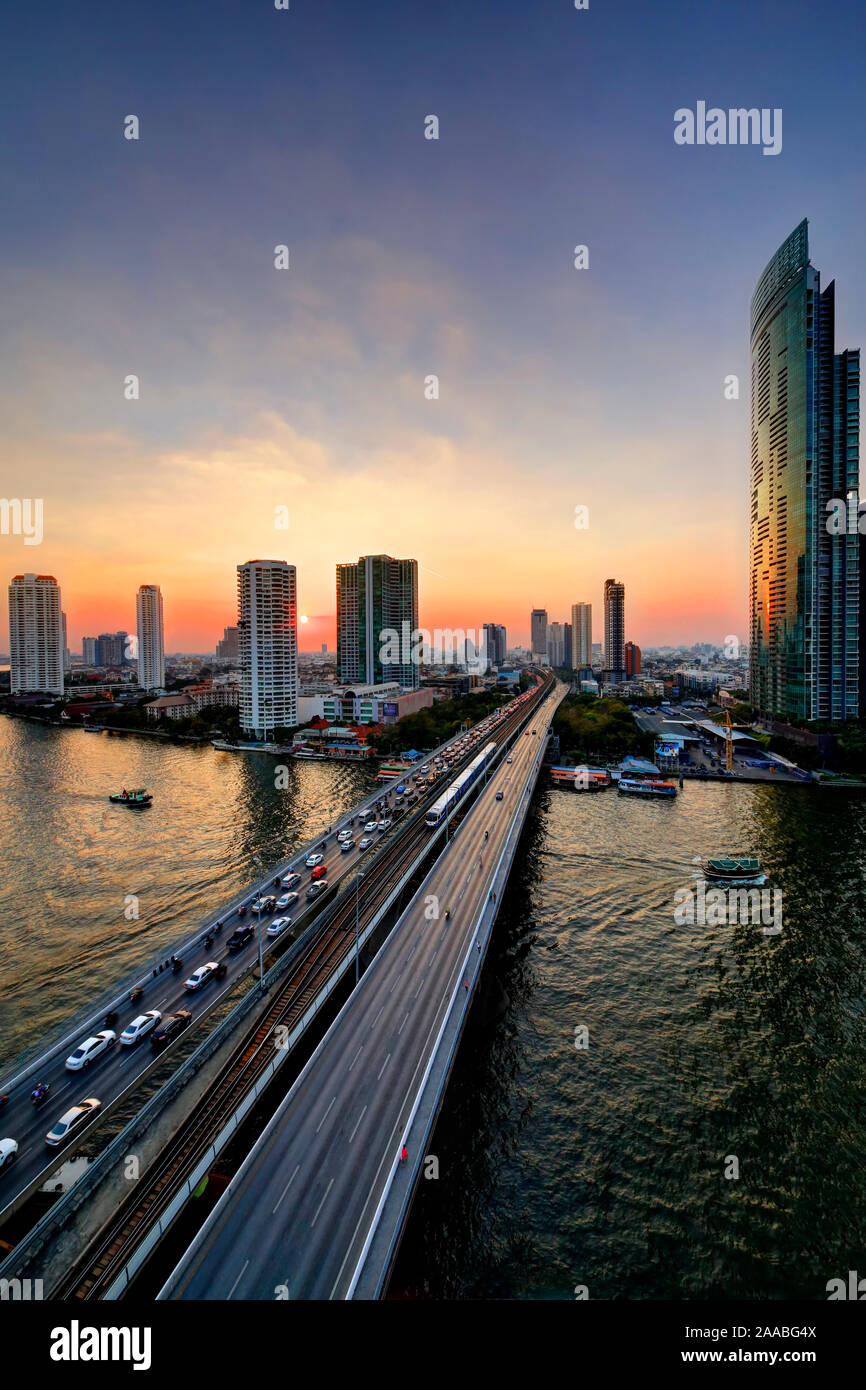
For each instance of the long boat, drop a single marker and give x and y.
(739, 870)
(139, 796)
(646, 786)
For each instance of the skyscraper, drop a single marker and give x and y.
(227, 647)
(268, 641)
(555, 644)
(35, 635)
(495, 643)
(614, 626)
(538, 635)
(804, 582)
(581, 635)
(377, 618)
(151, 643)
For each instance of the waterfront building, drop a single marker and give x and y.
(268, 641)
(804, 581)
(377, 618)
(35, 635)
(151, 640)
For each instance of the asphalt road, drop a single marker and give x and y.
(297, 1213)
(110, 1073)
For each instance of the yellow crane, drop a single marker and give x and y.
(729, 740)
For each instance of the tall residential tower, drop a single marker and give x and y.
(581, 635)
(614, 626)
(377, 615)
(35, 635)
(268, 642)
(804, 582)
(151, 642)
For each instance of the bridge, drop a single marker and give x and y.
(317, 1209)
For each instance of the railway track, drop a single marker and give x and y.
(103, 1259)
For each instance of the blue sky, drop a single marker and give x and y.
(408, 257)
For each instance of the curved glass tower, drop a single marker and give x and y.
(804, 583)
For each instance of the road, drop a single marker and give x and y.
(112, 1072)
(297, 1213)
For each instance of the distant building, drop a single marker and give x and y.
(227, 648)
(111, 648)
(632, 660)
(495, 643)
(614, 626)
(268, 639)
(67, 663)
(377, 618)
(193, 699)
(151, 640)
(581, 635)
(538, 635)
(35, 635)
(88, 651)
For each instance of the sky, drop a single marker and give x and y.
(282, 413)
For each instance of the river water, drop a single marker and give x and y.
(708, 1142)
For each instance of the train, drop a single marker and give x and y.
(449, 798)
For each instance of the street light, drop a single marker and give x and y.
(357, 948)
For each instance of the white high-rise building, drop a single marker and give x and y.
(268, 644)
(581, 635)
(35, 635)
(151, 640)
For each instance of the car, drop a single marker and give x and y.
(290, 881)
(384, 824)
(242, 910)
(170, 1028)
(499, 796)
(344, 834)
(508, 760)
(8, 1150)
(283, 902)
(371, 825)
(92, 1047)
(279, 925)
(240, 937)
(316, 890)
(265, 904)
(347, 846)
(319, 872)
(312, 860)
(71, 1121)
(135, 1031)
(365, 843)
(201, 976)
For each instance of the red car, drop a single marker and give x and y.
(319, 872)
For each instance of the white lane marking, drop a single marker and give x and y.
(287, 1186)
(395, 984)
(402, 1025)
(321, 1204)
(384, 1065)
(356, 1056)
(357, 1122)
(239, 1278)
(378, 1016)
(325, 1116)
(418, 990)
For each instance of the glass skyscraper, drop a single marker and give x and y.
(804, 593)
(377, 596)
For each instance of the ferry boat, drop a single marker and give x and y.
(138, 796)
(388, 771)
(646, 786)
(739, 870)
(582, 779)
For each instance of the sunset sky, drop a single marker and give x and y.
(304, 388)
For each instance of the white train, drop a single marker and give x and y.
(449, 798)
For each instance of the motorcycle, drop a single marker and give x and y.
(4, 1101)
(176, 964)
(39, 1094)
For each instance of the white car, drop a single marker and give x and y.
(84, 1055)
(8, 1150)
(313, 860)
(344, 834)
(365, 843)
(508, 760)
(279, 925)
(347, 846)
(290, 881)
(71, 1121)
(283, 902)
(138, 1027)
(371, 825)
(384, 824)
(201, 976)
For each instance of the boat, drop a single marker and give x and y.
(137, 796)
(739, 870)
(646, 786)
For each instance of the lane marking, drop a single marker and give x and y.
(286, 1188)
(356, 1056)
(384, 1065)
(325, 1116)
(239, 1278)
(357, 1122)
(376, 1019)
(402, 1025)
(321, 1204)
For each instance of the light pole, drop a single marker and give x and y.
(357, 948)
(257, 861)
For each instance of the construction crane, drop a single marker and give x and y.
(729, 740)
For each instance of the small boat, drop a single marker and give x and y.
(646, 786)
(138, 796)
(741, 871)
